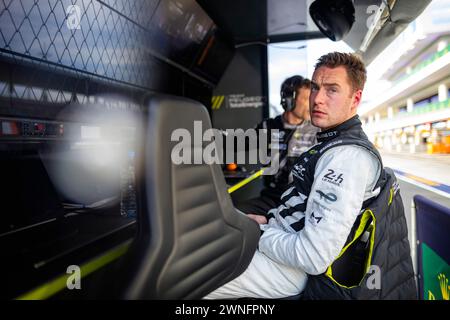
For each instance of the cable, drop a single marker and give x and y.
(81, 208)
(292, 48)
(287, 26)
(241, 45)
(245, 44)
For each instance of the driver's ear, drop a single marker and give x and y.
(357, 96)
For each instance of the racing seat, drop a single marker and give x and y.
(191, 239)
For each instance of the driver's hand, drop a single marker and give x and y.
(258, 218)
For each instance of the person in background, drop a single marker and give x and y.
(295, 135)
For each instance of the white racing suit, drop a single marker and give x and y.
(344, 178)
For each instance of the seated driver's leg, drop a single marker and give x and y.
(264, 278)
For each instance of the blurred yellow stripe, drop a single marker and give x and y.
(245, 181)
(214, 100)
(220, 102)
(60, 283)
(423, 180)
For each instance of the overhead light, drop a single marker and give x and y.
(333, 18)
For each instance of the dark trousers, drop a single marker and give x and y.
(260, 205)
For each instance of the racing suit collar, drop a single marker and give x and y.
(350, 124)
